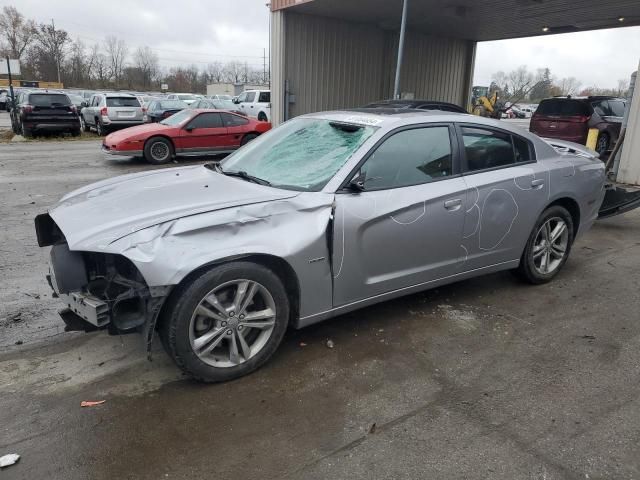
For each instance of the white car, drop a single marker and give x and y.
(187, 98)
(255, 103)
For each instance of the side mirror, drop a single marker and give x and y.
(236, 101)
(357, 183)
(188, 128)
(84, 104)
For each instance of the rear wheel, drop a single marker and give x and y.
(262, 117)
(76, 133)
(158, 150)
(248, 137)
(548, 246)
(26, 132)
(100, 128)
(226, 322)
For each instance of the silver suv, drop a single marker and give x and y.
(110, 111)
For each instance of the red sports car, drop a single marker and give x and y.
(189, 132)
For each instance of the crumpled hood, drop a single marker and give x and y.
(94, 216)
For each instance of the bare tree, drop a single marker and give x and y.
(146, 60)
(76, 67)
(50, 50)
(569, 86)
(519, 81)
(116, 51)
(623, 87)
(233, 72)
(18, 33)
(215, 72)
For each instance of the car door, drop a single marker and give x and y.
(507, 190)
(241, 101)
(404, 228)
(203, 133)
(236, 128)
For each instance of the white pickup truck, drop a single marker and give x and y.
(255, 103)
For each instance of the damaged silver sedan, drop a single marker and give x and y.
(325, 214)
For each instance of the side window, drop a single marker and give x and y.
(487, 149)
(601, 108)
(242, 97)
(410, 157)
(265, 97)
(250, 97)
(231, 120)
(522, 149)
(206, 120)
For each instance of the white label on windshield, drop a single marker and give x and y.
(363, 120)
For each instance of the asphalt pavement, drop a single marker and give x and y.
(486, 378)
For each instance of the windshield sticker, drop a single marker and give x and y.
(363, 120)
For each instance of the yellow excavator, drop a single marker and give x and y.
(485, 103)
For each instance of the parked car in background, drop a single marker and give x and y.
(218, 105)
(4, 99)
(255, 103)
(188, 132)
(570, 118)
(328, 213)
(110, 111)
(44, 112)
(417, 105)
(145, 100)
(77, 100)
(158, 110)
(219, 97)
(187, 98)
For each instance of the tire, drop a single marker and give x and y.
(26, 132)
(602, 143)
(101, 130)
(539, 250)
(84, 125)
(263, 117)
(248, 137)
(76, 133)
(181, 327)
(158, 150)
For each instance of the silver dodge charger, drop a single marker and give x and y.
(323, 215)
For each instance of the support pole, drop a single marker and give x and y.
(13, 98)
(396, 87)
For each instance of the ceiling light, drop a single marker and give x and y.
(621, 19)
(545, 29)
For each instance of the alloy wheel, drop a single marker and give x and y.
(232, 323)
(159, 151)
(550, 245)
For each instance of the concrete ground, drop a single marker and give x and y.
(487, 378)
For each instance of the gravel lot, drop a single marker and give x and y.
(486, 378)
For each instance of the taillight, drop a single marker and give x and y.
(103, 111)
(166, 114)
(74, 109)
(144, 109)
(28, 108)
(578, 119)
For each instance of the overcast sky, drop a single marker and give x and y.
(200, 31)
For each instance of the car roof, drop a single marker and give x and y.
(116, 94)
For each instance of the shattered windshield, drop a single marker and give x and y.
(302, 154)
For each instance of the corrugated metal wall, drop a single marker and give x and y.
(435, 68)
(333, 64)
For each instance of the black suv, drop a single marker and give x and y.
(44, 112)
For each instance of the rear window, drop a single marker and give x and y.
(48, 99)
(617, 108)
(122, 102)
(563, 107)
(265, 97)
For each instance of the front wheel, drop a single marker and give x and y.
(602, 144)
(226, 322)
(548, 246)
(84, 125)
(158, 150)
(101, 130)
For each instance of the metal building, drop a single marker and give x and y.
(342, 53)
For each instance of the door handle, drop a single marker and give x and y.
(537, 183)
(453, 205)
